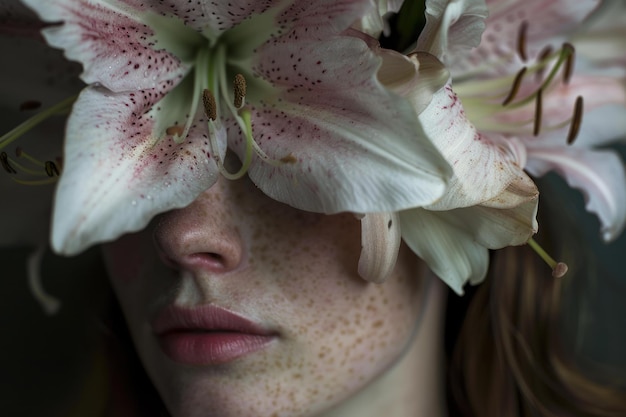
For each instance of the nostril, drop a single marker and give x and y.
(210, 260)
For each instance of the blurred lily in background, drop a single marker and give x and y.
(526, 82)
(507, 98)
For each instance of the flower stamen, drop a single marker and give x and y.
(570, 52)
(538, 112)
(51, 169)
(289, 159)
(543, 56)
(517, 82)
(19, 152)
(559, 269)
(62, 107)
(576, 121)
(175, 130)
(239, 86)
(521, 41)
(565, 56)
(4, 159)
(210, 108)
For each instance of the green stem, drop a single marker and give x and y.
(59, 108)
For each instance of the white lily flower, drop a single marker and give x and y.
(285, 87)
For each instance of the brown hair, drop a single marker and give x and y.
(510, 359)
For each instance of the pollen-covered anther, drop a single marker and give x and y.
(175, 130)
(577, 118)
(4, 159)
(210, 108)
(521, 41)
(517, 82)
(51, 169)
(289, 159)
(239, 86)
(538, 112)
(568, 69)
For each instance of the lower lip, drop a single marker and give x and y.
(210, 348)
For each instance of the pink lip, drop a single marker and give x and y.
(207, 335)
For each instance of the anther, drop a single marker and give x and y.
(515, 88)
(175, 130)
(51, 169)
(20, 153)
(210, 108)
(543, 55)
(239, 85)
(289, 159)
(538, 112)
(568, 49)
(559, 269)
(4, 159)
(577, 118)
(30, 105)
(521, 40)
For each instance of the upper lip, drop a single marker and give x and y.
(205, 318)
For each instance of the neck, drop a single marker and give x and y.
(414, 385)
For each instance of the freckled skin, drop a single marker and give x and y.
(291, 271)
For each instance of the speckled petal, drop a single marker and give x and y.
(117, 51)
(349, 144)
(482, 167)
(117, 176)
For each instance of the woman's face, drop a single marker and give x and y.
(314, 332)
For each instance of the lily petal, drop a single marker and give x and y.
(454, 243)
(452, 27)
(374, 22)
(449, 251)
(496, 228)
(482, 167)
(316, 127)
(498, 53)
(603, 40)
(380, 242)
(599, 174)
(117, 175)
(116, 50)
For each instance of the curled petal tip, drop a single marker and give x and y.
(380, 243)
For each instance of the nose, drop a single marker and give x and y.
(202, 237)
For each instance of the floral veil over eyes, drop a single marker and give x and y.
(432, 145)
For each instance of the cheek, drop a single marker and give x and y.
(341, 330)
